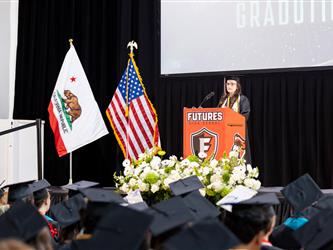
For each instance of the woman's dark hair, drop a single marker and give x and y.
(226, 94)
(246, 221)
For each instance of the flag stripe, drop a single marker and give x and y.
(145, 138)
(60, 146)
(145, 115)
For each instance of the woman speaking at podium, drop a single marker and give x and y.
(233, 98)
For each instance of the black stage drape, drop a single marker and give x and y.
(290, 126)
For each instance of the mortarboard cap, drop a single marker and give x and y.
(80, 185)
(39, 189)
(121, 228)
(39, 185)
(302, 192)
(206, 234)
(67, 212)
(18, 191)
(186, 185)
(169, 214)
(200, 207)
(102, 195)
(317, 232)
(21, 221)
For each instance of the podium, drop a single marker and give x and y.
(214, 131)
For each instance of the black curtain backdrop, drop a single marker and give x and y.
(291, 121)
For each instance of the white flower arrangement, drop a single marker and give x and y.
(152, 175)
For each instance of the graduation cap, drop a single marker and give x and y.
(80, 185)
(317, 232)
(199, 206)
(186, 185)
(168, 215)
(121, 228)
(324, 203)
(18, 191)
(21, 221)
(67, 212)
(39, 189)
(206, 234)
(302, 192)
(102, 195)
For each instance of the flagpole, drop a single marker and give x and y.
(131, 45)
(70, 181)
(70, 168)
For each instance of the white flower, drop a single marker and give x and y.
(256, 185)
(213, 163)
(143, 187)
(194, 164)
(239, 169)
(154, 188)
(248, 168)
(202, 155)
(215, 178)
(132, 182)
(185, 162)
(126, 163)
(155, 162)
(187, 172)
(173, 158)
(167, 181)
(147, 170)
(124, 188)
(252, 183)
(128, 170)
(205, 171)
(233, 154)
(143, 164)
(165, 163)
(137, 170)
(217, 186)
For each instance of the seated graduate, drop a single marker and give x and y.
(67, 214)
(43, 202)
(120, 228)
(23, 222)
(252, 220)
(306, 200)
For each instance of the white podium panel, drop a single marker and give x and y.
(18, 152)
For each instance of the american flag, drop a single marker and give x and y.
(132, 115)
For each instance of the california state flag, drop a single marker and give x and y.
(73, 112)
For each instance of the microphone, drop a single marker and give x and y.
(207, 97)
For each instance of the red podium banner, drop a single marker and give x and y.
(214, 131)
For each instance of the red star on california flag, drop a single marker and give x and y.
(73, 79)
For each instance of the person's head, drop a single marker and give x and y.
(42, 200)
(20, 192)
(251, 223)
(232, 86)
